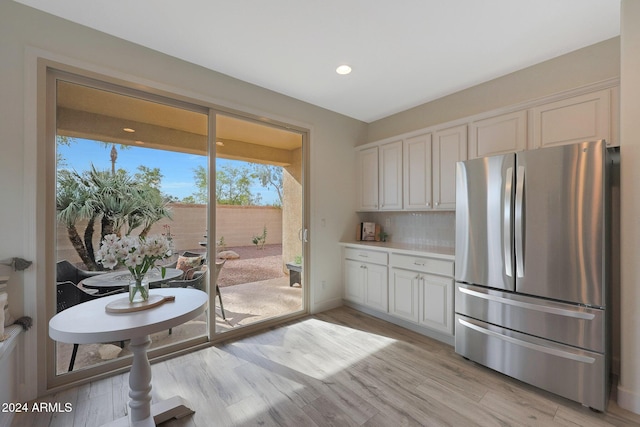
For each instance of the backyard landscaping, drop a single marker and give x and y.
(253, 265)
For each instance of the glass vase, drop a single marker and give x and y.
(138, 290)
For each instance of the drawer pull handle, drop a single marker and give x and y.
(363, 255)
(526, 305)
(536, 347)
(419, 263)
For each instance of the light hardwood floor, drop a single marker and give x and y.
(338, 368)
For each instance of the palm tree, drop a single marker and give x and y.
(72, 205)
(116, 199)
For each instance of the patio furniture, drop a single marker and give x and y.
(189, 262)
(219, 265)
(198, 282)
(294, 273)
(67, 272)
(120, 279)
(68, 295)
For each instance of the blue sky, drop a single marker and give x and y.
(176, 168)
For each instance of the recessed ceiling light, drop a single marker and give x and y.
(343, 69)
(220, 143)
(139, 142)
(129, 130)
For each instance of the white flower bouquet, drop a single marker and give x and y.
(138, 254)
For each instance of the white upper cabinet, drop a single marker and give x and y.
(449, 147)
(390, 170)
(417, 172)
(577, 119)
(498, 135)
(367, 178)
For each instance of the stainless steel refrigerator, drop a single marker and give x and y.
(532, 268)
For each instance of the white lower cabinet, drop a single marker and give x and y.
(436, 303)
(422, 298)
(366, 282)
(403, 294)
(412, 288)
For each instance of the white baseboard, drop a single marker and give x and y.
(326, 305)
(629, 399)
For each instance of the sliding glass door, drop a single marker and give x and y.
(258, 222)
(226, 191)
(130, 164)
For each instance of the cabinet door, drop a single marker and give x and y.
(367, 170)
(417, 172)
(390, 176)
(578, 119)
(449, 147)
(436, 303)
(353, 281)
(376, 286)
(403, 294)
(498, 135)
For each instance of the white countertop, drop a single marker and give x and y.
(405, 248)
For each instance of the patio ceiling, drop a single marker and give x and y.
(85, 112)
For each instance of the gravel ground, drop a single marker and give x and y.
(253, 265)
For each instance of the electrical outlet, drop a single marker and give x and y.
(387, 222)
(324, 284)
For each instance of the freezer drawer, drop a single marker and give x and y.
(576, 374)
(565, 323)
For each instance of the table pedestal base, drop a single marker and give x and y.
(141, 412)
(175, 407)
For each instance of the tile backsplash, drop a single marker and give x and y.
(419, 228)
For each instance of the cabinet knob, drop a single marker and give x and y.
(437, 203)
(428, 204)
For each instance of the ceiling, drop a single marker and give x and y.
(113, 117)
(402, 53)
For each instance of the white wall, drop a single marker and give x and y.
(26, 33)
(629, 384)
(591, 64)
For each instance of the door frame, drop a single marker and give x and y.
(44, 380)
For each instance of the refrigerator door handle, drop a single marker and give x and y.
(519, 220)
(506, 223)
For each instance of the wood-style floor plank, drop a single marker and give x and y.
(338, 368)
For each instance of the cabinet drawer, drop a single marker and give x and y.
(364, 255)
(423, 264)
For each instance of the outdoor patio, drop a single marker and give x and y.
(243, 304)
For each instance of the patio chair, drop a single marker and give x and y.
(197, 282)
(216, 273)
(68, 295)
(67, 272)
(188, 267)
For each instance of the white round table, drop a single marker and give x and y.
(88, 323)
